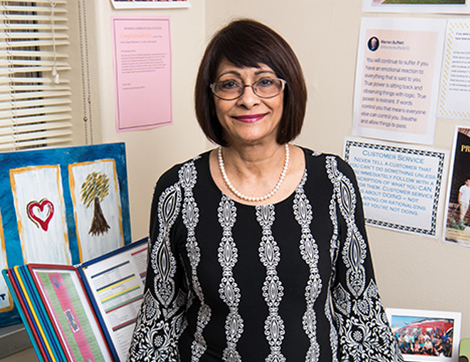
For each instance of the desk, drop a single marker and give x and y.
(13, 339)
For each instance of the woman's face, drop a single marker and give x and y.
(248, 119)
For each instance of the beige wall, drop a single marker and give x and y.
(412, 271)
(151, 152)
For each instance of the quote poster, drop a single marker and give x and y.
(457, 222)
(454, 100)
(142, 68)
(397, 78)
(400, 186)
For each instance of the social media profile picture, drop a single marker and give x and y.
(373, 44)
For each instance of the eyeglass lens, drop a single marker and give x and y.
(264, 88)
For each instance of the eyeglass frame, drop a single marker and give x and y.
(283, 82)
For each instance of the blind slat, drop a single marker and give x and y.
(34, 139)
(27, 136)
(28, 80)
(5, 17)
(40, 62)
(36, 9)
(35, 127)
(32, 43)
(34, 111)
(25, 104)
(21, 35)
(33, 54)
(56, 117)
(11, 97)
(34, 87)
(58, 2)
(6, 27)
(7, 71)
(25, 145)
(25, 65)
(34, 135)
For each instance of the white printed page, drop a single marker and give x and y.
(117, 284)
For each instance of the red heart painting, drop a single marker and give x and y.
(40, 213)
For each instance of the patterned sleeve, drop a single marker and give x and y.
(161, 318)
(364, 333)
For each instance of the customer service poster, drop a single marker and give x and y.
(397, 78)
(400, 186)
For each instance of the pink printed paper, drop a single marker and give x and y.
(142, 68)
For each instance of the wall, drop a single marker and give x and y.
(413, 272)
(149, 153)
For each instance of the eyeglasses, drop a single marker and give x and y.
(264, 88)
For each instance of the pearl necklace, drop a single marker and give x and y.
(253, 198)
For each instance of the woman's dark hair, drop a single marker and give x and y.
(248, 43)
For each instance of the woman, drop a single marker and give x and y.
(251, 241)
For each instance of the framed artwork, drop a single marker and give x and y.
(426, 336)
(417, 6)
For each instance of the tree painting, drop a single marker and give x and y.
(94, 190)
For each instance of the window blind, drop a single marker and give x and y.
(34, 95)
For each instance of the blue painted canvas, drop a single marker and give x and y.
(61, 206)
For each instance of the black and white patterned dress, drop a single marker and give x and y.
(231, 282)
